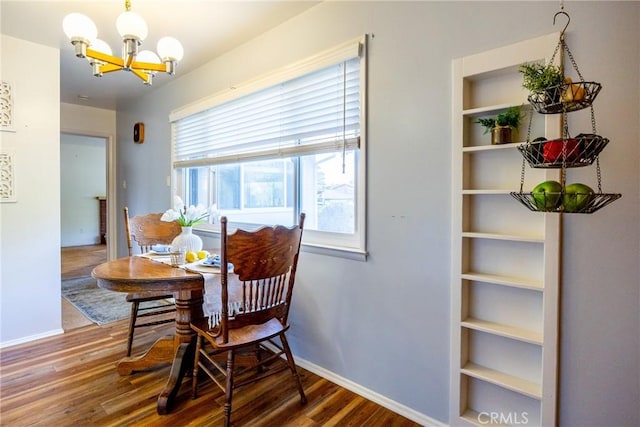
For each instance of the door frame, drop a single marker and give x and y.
(110, 158)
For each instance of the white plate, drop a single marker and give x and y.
(160, 249)
(156, 253)
(199, 267)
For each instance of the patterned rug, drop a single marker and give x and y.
(98, 305)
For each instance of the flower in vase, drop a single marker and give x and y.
(187, 216)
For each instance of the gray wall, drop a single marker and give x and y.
(384, 323)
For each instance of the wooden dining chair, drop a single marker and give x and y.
(265, 262)
(148, 308)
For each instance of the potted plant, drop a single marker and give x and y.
(545, 84)
(502, 125)
(538, 77)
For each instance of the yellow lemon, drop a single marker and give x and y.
(202, 254)
(191, 256)
(574, 92)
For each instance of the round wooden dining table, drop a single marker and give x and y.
(139, 274)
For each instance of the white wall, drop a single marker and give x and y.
(82, 179)
(98, 122)
(30, 285)
(384, 323)
(344, 319)
(81, 120)
(30, 304)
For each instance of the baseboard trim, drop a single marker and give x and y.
(371, 395)
(31, 338)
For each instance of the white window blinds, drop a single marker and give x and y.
(315, 112)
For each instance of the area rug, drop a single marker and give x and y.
(98, 305)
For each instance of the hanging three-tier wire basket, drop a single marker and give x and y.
(568, 151)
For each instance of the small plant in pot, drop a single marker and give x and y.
(538, 77)
(544, 82)
(502, 126)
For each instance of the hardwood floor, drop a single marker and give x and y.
(70, 380)
(78, 261)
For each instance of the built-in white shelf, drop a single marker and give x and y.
(510, 382)
(487, 191)
(508, 237)
(505, 258)
(493, 109)
(506, 331)
(516, 282)
(482, 148)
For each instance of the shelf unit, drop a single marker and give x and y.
(505, 259)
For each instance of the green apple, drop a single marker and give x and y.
(546, 195)
(576, 197)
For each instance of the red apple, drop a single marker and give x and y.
(552, 150)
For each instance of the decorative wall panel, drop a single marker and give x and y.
(7, 177)
(6, 106)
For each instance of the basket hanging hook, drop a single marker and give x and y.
(562, 12)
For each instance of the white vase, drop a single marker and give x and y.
(187, 240)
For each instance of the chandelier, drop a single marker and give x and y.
(82, 33)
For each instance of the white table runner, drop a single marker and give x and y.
(212, 305)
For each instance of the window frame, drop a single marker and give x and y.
(351, 246)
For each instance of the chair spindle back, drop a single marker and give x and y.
(265, 261)
(148, 230)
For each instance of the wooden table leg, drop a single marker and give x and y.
(188, 304)
(183, 363)
(163, 350)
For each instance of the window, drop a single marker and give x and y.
(288, 143)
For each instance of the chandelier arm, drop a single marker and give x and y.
(143, 76)
(148, 66)
(118, 64)
(109, 59)
(109, 68)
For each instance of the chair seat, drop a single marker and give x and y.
(240, 337)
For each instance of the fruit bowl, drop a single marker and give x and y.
(565, 97)
(564, 152)
(544, 202)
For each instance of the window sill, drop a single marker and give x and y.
(346, 253)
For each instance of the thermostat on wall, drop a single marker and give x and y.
(138, 133)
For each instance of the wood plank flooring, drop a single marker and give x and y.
(78, 261)
(70, 380)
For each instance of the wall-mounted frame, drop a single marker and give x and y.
(7, 177)
(7, 97)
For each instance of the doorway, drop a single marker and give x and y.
(84, 221)
(83, 186)
(78, 262)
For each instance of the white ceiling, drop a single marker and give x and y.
(206, 29)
